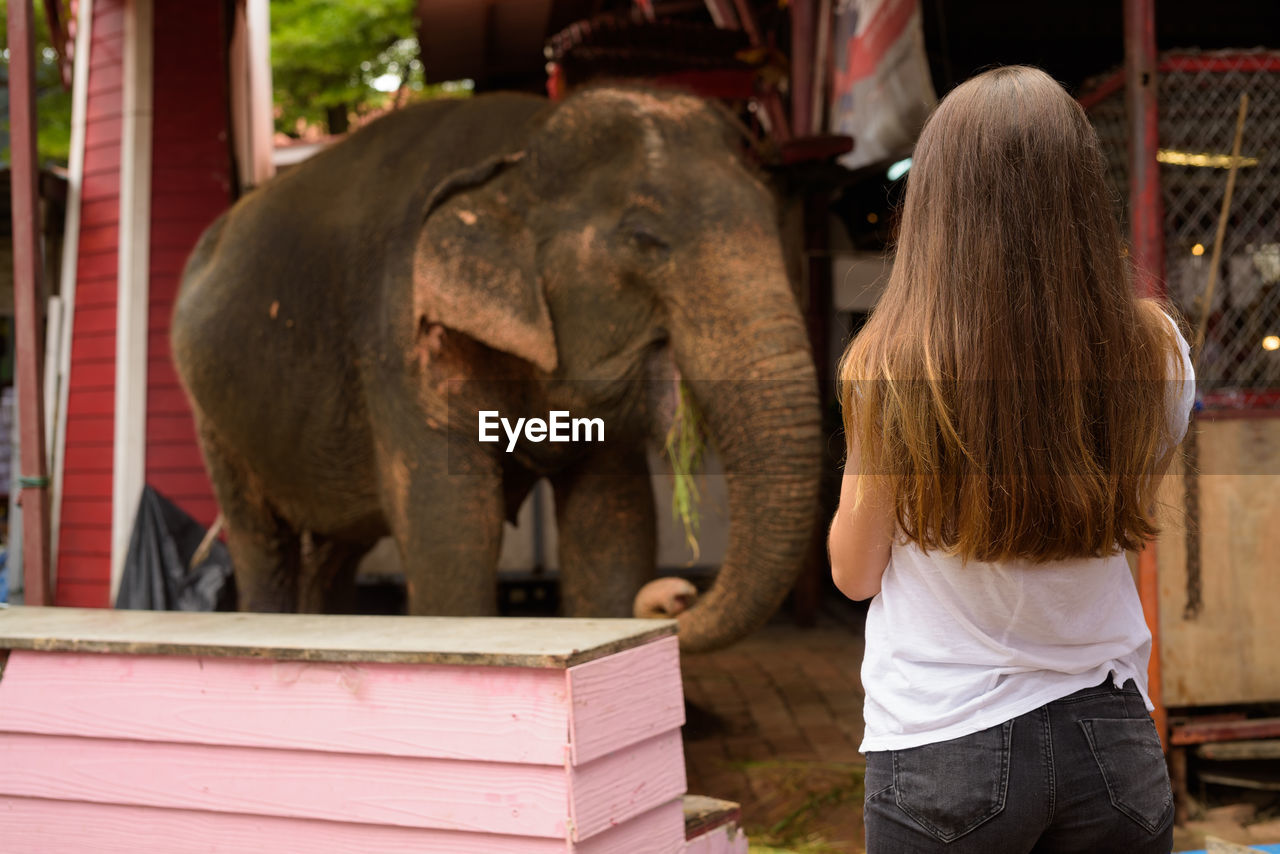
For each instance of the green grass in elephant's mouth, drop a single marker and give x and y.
(685, 442)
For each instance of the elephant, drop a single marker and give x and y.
(339, 329)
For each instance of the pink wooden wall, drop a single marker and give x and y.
(168, 753)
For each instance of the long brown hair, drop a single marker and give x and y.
(1009, 382)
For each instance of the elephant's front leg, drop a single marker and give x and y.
(445, 511)
(605, 519)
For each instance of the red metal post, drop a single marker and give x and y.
(1146, 224)
(1146, 212)
(34, 481)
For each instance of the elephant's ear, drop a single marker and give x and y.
(474, 264)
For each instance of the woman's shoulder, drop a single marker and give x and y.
(1172, 327)
(1181, 372)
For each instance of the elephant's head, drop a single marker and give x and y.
(625, 223)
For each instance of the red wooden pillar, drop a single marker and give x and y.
(1146, 228)
(810, 586)
(804, 27)
(34, 480)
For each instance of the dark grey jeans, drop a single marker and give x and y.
(1081, 774)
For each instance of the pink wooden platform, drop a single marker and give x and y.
(166, 733)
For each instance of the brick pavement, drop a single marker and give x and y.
(775, 723)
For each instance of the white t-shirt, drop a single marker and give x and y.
(953, 650)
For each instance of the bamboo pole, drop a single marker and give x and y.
(1206, 301)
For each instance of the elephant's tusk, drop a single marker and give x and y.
(206, 545)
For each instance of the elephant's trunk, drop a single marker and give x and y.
(756, 387)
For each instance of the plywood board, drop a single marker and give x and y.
(702, 813)
(502, 714)
(493, 797)
(37, 826)
(499, 714)
(474, 797)
(624, 699)
(483, 641)
(527, 800)
(658, 831)
(625, 784)
(1229, 652)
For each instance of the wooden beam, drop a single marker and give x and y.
(747, 20)
(493, 641)
(723, 14)
(1203, 732)
(133, 285)
(1237, 750)
(803, 33)
(27, 276)
(58, 36)
(70, 263)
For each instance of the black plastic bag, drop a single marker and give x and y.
(157, 576)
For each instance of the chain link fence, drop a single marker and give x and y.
(1199, 96)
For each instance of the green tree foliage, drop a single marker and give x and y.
(53, 102)
(329, 59)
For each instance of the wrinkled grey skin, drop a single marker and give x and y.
(325, 321)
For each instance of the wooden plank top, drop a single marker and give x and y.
(703, 814)
(480, 641)
(1240, 750)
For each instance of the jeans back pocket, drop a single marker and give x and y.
(1131, 760)
(951, 787)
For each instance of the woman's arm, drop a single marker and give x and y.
(861, 536)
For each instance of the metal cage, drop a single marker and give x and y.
(1199, 94)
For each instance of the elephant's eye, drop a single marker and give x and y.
(646, 241)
